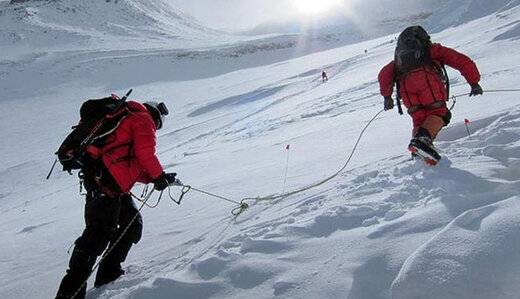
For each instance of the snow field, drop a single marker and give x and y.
(387, 227)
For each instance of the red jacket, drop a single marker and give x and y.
(129, 152)
(423, 86)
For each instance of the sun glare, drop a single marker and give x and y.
(313, 7)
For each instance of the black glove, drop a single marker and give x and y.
(161, 182)
(389, 103)
(476, 89)
(171, 177)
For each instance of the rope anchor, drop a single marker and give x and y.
(240, 209)
(242, 205)
(185, 189)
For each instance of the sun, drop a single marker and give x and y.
(313, 7)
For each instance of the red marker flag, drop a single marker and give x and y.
(287, 147)
(466, 122)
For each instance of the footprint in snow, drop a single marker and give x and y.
(283, 287)
(262, 246)
(209, 268)
(163, 288)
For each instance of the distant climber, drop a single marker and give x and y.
(417, 70)
(109, 171)
(324, 77)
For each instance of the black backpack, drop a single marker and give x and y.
(413, 49)
(412, 52)
(98, 119)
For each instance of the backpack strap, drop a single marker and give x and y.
(443, 73)
(398, 91)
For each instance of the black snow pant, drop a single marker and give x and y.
(106, 218)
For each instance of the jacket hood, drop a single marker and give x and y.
(136, 106)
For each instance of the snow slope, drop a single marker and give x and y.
(101, 24)
(387, 227)
(359, 20)
(47, 44)
(454, 13)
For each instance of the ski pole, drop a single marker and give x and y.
(52, 169)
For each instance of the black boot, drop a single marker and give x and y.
(110, 267)
(74, 282)
(422, 146)
(108, 271)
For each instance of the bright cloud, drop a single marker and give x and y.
(313, 7)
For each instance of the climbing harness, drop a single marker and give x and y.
(242, 205)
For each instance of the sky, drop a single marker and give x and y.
(245, 14)
(242, 15)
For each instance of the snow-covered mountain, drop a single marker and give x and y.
(68, 42)
(100, 24)
(361, 20)
(385, 227)
(454, 13)
(50, 43)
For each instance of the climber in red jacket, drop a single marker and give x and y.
(128, 156)
(417, 71)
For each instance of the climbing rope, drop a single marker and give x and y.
(347, 162)
(111, 248)
(502, 90)
(454, 97)
(243, 205)
(144, 198)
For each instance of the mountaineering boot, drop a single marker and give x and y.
(108, 272)
(110, 267)
(423, 147)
